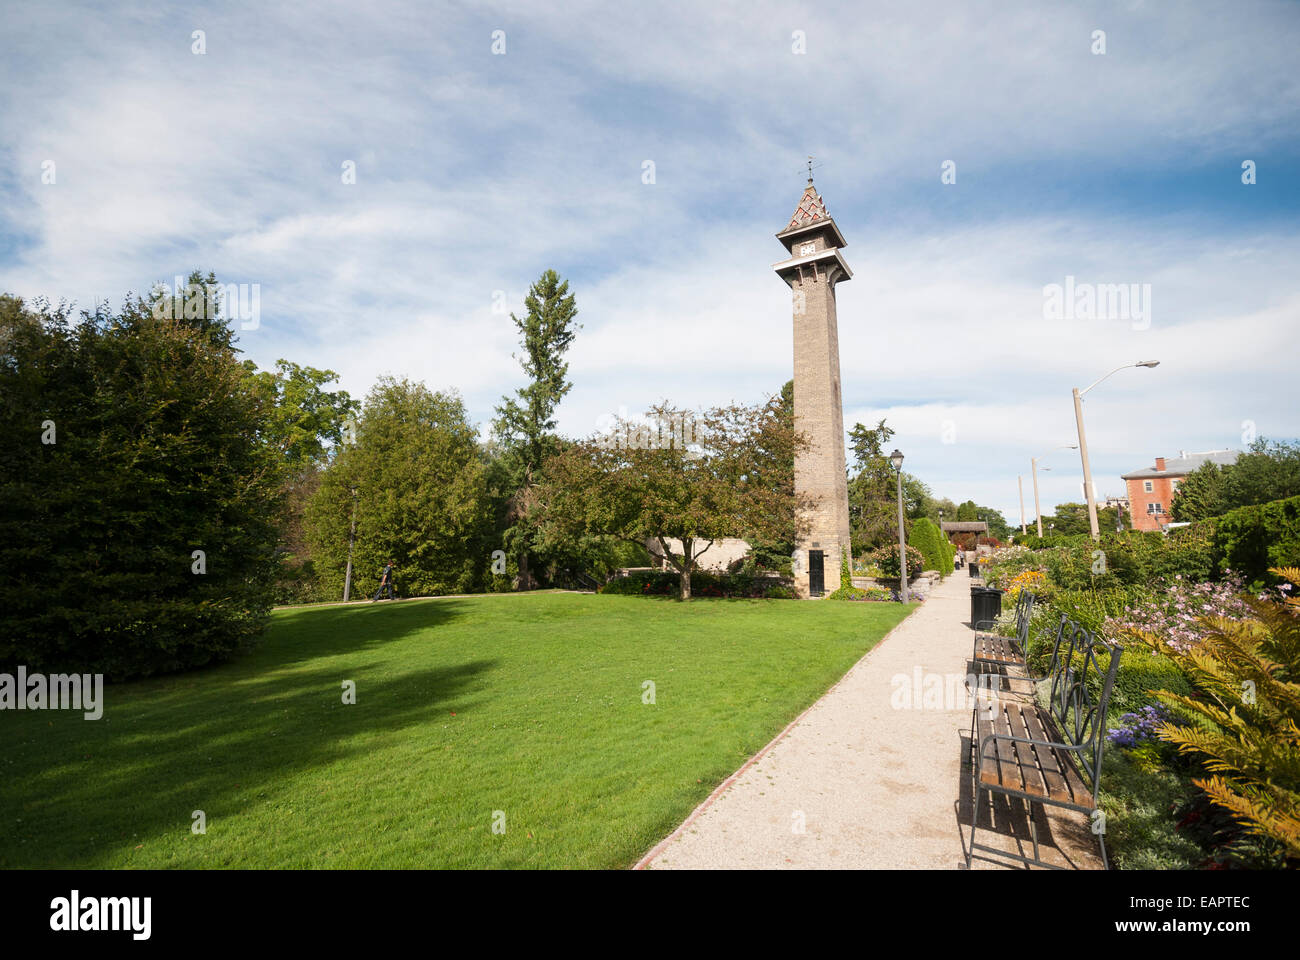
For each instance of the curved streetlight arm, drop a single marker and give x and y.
(1112, 373)
(1139, 363)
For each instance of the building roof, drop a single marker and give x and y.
(811, 208)
(810, 216)
(964, 526)
(1184, 464)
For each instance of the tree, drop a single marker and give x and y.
(420, 495)
(775, 551)
(971, 512)
(525, 423)
(873, 499)
(732, 482)
(1268, 471)
(307, 423)
(1201, 494)
(1071, 518)
(306, 420)
(933, 546)
(873, 491)
(141, 502)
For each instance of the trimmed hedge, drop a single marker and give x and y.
(668, 584)
(863, 593)
(930, 541)
(1251, 539)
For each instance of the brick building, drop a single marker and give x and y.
(1151, 489)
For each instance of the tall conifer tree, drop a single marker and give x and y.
(525, 423)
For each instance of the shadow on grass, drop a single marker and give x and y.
(76, 792)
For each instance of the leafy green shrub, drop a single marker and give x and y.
(1116, 559)
(1091, 608)
(886, 558)
(1250, 540)
(1188, 553)
(929, 540)
(643, 582)
(1242, 723)
(1140, 672)
(657, 583)
(1137, 799)
(1035, 542)
(862, 593)
(160, 452)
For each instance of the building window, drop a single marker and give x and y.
(1155, 508)
(1148, 486)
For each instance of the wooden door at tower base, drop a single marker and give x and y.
(816, 573)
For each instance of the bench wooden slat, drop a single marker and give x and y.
(998, 650)
(1028, 768)
(1029, 772)
(1000, 766)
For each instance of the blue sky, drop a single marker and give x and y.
(477, 171)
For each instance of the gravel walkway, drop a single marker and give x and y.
(863, 780)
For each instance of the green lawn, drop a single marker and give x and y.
(529, 705)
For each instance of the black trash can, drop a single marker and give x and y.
(985, 606)
(973, 569)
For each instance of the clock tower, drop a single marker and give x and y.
(814, 267)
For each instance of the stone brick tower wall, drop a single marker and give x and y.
(814, 268)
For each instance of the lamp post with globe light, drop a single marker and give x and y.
(896, 458)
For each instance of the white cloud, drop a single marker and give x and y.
(476, 172)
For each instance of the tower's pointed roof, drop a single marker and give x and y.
(811, 217)
(811, 208)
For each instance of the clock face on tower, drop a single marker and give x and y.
(807, 248)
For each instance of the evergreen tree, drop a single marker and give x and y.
(926, 538)
(525, 423)
(873, 494)
(1200, 494)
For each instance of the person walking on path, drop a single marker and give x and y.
(385, 583)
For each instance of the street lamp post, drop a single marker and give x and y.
(1083, 443)
(1033, 463)
(896, 458)
(352, 535)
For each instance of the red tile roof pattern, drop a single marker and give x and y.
(811, 207)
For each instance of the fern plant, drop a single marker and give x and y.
(1245, 726)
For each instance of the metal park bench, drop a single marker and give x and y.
(1047, 755)
(1005, 651)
